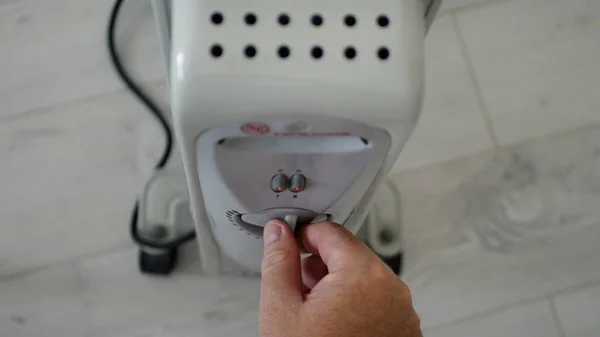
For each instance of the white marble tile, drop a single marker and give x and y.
(451, 124)
(579, 311)
(454, 4)
(184, 302)
(55, 51)
(537, 62)
(107, 296)
(69, 177)
(527, 320)
(495, 229)
(43, 303)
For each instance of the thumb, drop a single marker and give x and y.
(281, 284)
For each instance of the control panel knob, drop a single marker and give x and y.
(279, 183)
(297, 183)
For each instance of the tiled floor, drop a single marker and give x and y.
(578, 312)
(498, 228)
(500, 182)
(526, 320)
(452, 123)
(536, 63)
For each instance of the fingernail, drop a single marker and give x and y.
(272, 232)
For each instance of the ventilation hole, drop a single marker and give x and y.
(284, 52)
(383, 21)
(350, 20)
(350, 53)
(257, 237)
(317, 20)
(241, 229)
(217, 18)
(284, 19)
(250, 51)
(317, 52)
(250, 19)
(221, 141)
(383, 53)
(216, 51)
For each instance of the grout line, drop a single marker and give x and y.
(100, 253)
(146, 85)
(484, 313)
(444, 162)
(505, 147)
(470, 6)
(575, 288)
(557, 321)
(552, 135)
(492, 311)
(475, 81)
(40, 110)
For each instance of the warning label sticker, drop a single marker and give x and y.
(313, 134)
(255, 128)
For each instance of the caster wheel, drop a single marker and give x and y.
(394, 262)
(160, 264)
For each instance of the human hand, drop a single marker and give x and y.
(342, 290)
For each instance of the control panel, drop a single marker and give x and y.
(280, 182)
(289, 176)
(251, 173)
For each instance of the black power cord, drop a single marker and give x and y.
(160, 117)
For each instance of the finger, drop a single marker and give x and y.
(300, 243)
(313, 270)
(337, 247)
(281, 283)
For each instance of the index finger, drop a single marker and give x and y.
(337, 247)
